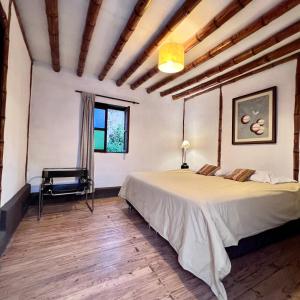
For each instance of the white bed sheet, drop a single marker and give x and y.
(200, 215)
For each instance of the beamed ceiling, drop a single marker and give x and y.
(117, 39)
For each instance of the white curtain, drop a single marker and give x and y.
(87, 134)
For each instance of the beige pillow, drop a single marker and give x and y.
(208, 170)
(240, 175)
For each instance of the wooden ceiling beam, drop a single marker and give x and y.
(228, 12)
(90, 23)
(267, 58)
(184, 10)
(52, 18)
(251, 73)
(137, 13)
(274, 13)
(251, 52)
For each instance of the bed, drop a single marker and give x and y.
(201, 215)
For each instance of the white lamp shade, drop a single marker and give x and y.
(185, 144)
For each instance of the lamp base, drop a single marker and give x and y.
(184, 166)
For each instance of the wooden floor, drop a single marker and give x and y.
(71, 254)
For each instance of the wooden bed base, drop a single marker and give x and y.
(258, 241)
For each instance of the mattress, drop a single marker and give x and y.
(201, 215)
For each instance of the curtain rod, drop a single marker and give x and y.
(109, 97)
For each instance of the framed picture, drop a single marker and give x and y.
(254, 118)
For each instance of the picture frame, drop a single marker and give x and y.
(254, 119)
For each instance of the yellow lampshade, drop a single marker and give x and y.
(171, 58)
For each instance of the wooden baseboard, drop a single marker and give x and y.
(11, 214)
(107, 192)
(4, 240)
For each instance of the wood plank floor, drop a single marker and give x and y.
(71, 254)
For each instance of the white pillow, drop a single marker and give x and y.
(267, 177)
(261, 176)
(223, 172)
(276, 180)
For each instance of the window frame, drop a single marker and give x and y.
(126, 110)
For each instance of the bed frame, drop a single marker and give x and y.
(263, 239)
(258, 241)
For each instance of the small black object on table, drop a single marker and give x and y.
(82, 187)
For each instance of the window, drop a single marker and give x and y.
(111, 128)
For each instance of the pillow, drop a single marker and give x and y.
(240, 175)
(267, 177)
(208, 170)
(223, 172)
(261, 176)
(276, 180)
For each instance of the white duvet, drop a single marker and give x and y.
(200, 215)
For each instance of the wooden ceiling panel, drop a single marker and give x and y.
(180, 14)
(250, 73)
(228, 12)
(265, 44)
(90, 23)
(276, 54)
(135, 17)
(66, 21)
(52, 18)
(254, 26)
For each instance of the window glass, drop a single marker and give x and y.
(111, 128)
(115, 130)
(99, 118)
(99, 137)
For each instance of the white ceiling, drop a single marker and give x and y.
(114, 15)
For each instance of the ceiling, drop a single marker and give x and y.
(113, 17)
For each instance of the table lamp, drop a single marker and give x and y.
(185, 146)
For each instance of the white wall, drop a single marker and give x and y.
(16, 115)
(5, 5)
(155, 128)
(202, 124)
(201, 129)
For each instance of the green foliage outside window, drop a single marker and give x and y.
(115, 141)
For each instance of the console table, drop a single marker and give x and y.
(82, 186)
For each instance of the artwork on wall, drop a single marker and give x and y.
(254, 118)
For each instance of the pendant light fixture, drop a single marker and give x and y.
(171, 58)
